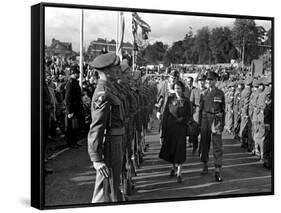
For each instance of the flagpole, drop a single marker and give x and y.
(117, 33)
(81, 48)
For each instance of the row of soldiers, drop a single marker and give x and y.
(121, 107)
(249, 114)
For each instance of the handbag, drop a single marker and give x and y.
(193, 128)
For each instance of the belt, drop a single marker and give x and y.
(117, 131)
(211, 113)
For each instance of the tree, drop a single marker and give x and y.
(201, 45)
(221, 45)
(152, 54)
(188, 43)
(268, 38)
(175, 54)
(246, 37)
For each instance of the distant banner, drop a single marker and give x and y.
(140, 38)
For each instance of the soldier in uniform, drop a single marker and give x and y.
(211, 119)
(260, 128)
(263, 104)
(74, 108)
(105, 137)
(244, 102)
(229, 100)
(237, 109)
(195, 104)
(252, 115)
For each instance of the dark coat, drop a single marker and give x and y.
(73, 101)
(174, 129)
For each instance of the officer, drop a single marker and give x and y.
(262, 104)
(237, 109)
(129, 166)
(244, 103)
(229, 100)
(260, 127)
(74, 108)
(252, 115)
(211, 120)
(195, 103)
(105, 137)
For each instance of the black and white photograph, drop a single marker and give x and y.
(142, 105)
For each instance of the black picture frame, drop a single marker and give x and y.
(38, 135)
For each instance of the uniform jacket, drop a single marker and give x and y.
(106, 114)
(245, 101)
(237, 97)
(212, 103)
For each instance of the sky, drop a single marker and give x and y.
(64, 24)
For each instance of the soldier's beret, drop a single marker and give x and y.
(248, 80)
(105, 60)
(212, 75)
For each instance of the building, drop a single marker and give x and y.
(58, 48)
(100, 45)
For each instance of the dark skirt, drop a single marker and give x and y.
(173, 147)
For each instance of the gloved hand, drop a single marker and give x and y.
(70, 115)
(102, 169)
(158, 114)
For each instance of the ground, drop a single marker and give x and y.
(73, 179)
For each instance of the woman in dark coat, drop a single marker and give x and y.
(176, 116)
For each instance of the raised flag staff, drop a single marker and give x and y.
(120, 34)
(139, 39)
(81, 48)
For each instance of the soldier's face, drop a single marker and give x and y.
(210, 83)
(113, 72)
